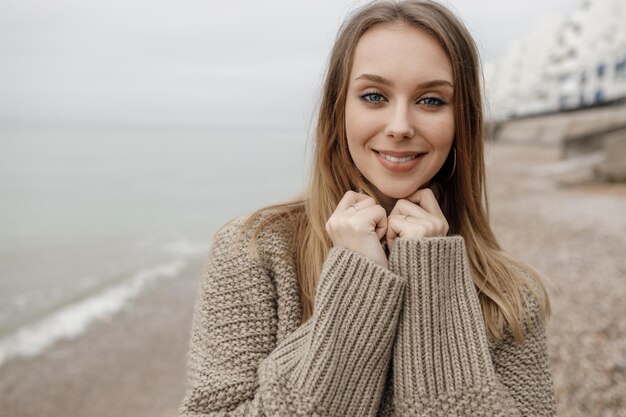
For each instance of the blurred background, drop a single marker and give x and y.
(130, 131)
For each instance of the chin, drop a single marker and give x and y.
(399, 192)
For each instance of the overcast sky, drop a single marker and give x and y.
(191, 62)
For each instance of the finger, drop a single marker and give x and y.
(426, 199)
(351, 197)
(363, 203)
(375, 219)
(390, 237)
(394, 227)
(405, 207)
(398, 226)
(381, 222)
(347, 200)
(394, 230)
(433, 226)
(417, 227)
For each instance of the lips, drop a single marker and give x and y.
(399, 161)
(398, 158)
(399, 154)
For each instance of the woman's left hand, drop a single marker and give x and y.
(416, 217)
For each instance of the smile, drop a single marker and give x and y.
(400, 162)
(396, 159)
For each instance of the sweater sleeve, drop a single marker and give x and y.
(334, 364)
(442, 363)
(524, 370)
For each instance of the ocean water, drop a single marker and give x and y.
(90, 217)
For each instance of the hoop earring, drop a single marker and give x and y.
(453, 166)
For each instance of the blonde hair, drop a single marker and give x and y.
(502, 281)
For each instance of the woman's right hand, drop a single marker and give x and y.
(359, 228)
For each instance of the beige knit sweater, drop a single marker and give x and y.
(405, 341)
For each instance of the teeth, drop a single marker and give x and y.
(397, 160)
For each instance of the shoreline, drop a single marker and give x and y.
(135, 363)
(132, 364)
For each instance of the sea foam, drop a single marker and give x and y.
(71, 320)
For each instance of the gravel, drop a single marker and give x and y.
(550, 214)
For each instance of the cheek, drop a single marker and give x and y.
(439, 131)
(359, 124)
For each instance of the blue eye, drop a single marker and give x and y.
(372, 97)
(432, 101)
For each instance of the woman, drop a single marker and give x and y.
(382, 290)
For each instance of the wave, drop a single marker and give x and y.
(72, 320)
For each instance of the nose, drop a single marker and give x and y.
(400, 126)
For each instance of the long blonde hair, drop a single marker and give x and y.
(459, 185)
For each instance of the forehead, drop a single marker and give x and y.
(400, 51)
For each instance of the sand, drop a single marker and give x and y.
(542, 210)
(133, 365)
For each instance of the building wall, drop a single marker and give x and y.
(568, 62)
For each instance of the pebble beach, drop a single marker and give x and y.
(543, 210)
(552, 215)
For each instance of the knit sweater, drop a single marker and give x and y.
(405, 341)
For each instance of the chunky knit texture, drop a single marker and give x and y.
(405, 341)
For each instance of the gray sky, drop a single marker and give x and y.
(158, 62)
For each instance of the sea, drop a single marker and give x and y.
(92, 216)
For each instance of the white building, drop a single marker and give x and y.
(567, 63)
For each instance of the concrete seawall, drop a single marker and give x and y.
(599, 130)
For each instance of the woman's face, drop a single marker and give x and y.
(399, 112)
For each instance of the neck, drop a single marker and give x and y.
(388, 203)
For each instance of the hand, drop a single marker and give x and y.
(359, 229)
(416, 217)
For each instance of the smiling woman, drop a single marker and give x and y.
(399, 113)
(381, 290)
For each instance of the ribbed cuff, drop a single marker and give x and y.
(442, 345)
(338, 360)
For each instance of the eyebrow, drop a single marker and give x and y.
(382, 80)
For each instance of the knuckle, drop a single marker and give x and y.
(348, 194)
(398, 206)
